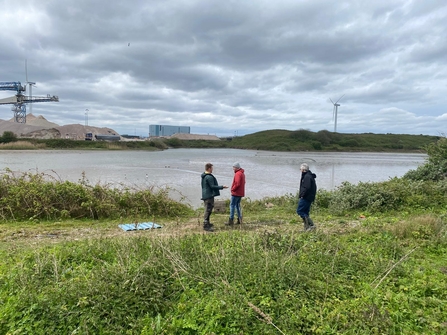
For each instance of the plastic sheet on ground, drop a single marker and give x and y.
(139, 226)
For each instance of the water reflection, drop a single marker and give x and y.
(267, 173)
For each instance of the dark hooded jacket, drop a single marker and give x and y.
(308, 187)
(210, 187)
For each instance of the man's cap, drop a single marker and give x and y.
(237, 165)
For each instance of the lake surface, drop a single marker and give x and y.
(267, 173)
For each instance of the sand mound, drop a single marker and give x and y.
(39, 127)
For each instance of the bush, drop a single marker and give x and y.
(8, 137)
(302, 135)
(38, 196)
(394, 194)
(436, 166)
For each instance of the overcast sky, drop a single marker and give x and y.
(231, 67)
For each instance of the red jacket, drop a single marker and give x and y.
(238, 186)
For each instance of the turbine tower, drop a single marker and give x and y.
(335, 112)
(30, 84)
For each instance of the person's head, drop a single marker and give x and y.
(304, 167)
(208, 167)
(236, 166)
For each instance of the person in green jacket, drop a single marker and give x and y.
(210, 189)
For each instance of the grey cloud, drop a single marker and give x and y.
(232, 66)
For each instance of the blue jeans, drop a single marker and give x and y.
(235, 204)
(303, 208)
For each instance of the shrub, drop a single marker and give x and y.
(436, 166)
(302, 135)
(316, 145)
(394, 194)
(39, 196)
(7, 137)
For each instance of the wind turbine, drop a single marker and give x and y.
(31, 84)
(335, 112)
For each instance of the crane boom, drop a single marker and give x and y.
(26, 100)
(20, 100)
(12, 86)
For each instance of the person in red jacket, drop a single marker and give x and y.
(237, 192)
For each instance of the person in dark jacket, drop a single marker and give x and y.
(210, 189)
(237, 192)
(308, 191)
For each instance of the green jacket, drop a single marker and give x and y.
(210, 188)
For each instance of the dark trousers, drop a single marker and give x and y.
(209, 205)
(303, 208)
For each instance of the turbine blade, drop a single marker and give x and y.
(340, 98)
(331, 101)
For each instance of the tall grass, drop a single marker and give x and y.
(21, 145)
(35, 196)
(229, 283)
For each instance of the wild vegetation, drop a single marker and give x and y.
(39, 196)
(276, 140)
(375, 265)
(301, 140)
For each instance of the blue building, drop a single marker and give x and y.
(156, 130)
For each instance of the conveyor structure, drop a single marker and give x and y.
(20, 100)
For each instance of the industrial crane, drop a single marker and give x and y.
(20, 100)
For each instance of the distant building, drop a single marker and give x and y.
(157, 130)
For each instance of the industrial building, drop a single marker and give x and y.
(157, 130)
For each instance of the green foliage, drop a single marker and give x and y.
(436, 166)
(173, 142)
(273, 140)
(284, 140)
(302, 135)
(395, 194)
(8, 137)
(229, 283)
(38, 196)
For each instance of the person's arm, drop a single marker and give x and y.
(237, 181)
(210, 180)
(305, 186)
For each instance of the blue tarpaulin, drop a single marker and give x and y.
(139, 226)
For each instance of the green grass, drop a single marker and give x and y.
(364, 277)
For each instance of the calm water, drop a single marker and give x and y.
(267, 173)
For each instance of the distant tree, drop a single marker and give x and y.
(7, 137)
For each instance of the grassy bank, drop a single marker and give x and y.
(375, 265)
(276, 140)
(302, 140)
(354, 276)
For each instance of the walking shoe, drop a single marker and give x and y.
(311, 224)
(208, 227)
(306, 223)
(239, 221)
(230, 222)
(207, 223)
